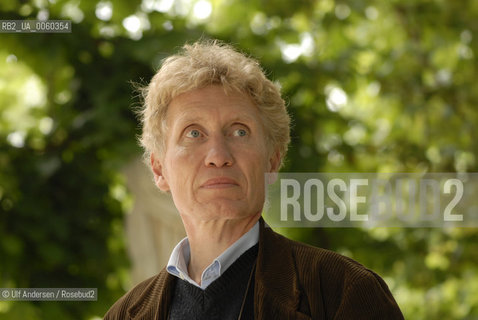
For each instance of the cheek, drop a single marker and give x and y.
(256, 167)
(181, 171)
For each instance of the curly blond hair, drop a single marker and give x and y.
(206, 63)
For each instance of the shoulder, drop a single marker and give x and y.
(342, 285)
(335, 272)
(332, 269)
(327, 262)
(138, 297)
(319, 259)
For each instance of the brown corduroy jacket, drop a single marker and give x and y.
(292, 281)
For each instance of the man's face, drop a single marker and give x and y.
(216, 155)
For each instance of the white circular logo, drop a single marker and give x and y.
(5, 293)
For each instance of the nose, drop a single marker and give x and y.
(218, 154)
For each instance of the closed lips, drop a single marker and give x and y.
(219, 182)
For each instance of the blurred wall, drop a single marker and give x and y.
(153, 227)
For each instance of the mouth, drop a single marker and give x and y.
(219, 183)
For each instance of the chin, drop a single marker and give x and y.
(229, 209)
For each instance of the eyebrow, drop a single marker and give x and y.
(191, 118)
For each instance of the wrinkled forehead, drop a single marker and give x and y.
(212, 101)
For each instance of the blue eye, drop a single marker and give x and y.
(240, 132)
(193, 134)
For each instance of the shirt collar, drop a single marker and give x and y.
(179, 259)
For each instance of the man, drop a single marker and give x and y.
(213, 125)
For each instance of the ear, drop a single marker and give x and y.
(274, 164)
(158, 173)
(274, 161)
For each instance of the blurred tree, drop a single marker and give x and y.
(386, 86)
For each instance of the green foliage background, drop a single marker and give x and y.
(373, 86)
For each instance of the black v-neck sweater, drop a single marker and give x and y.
(222, 299)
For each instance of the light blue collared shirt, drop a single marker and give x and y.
(179, 259)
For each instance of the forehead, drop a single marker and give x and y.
(211, 102)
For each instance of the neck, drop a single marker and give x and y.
(208, 239)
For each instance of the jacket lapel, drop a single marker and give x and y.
(155, 302)
(276, 288)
